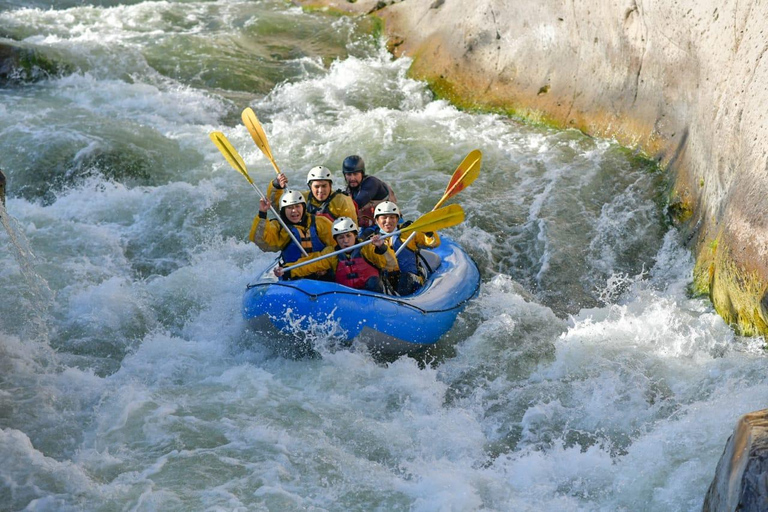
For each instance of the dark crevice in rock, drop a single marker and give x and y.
(577, 72)
(497, 66)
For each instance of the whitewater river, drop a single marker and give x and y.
(583, 377)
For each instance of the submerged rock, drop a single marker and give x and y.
(741, 478)
(19, 64)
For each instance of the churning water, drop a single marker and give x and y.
(583, 376)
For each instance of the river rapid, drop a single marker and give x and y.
(583, 376)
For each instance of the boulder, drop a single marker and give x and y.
(20, 64)
(741, 478)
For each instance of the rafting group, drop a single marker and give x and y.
(324, 221)
(355, 236)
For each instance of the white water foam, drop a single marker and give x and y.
(623, 403)
(164, 401)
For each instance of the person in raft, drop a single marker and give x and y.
(366, 191)
(321, 199)
(313, 232)
(411, 275)
(359, 268)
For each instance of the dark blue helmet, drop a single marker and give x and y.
(352, 164)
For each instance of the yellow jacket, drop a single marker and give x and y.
(385, 261)
(340, 205)
(269, 235)
(420, 241)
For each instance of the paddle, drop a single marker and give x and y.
(467, 171)
(432, 221)
(254, 127)
(236, 161)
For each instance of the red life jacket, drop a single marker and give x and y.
(354, 271)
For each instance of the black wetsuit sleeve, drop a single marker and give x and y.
(371, 188)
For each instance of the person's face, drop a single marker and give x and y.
(321, 189)
(388, 222)
(294, 212)
(354, 179)
(346, 239)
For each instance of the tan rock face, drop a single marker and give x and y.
(685, 80)
(739, 482)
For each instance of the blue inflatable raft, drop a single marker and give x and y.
(388, 325)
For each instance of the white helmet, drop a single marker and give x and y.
(291, 197)
(318, 173)
(386, 208)
(343, 225)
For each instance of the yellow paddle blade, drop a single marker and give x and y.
(437, 219)
(254, 127)
(467, 172)
(231, 154)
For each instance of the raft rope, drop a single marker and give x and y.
(389, 298)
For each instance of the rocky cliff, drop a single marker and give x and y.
(685, 81)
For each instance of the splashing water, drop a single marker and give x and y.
(583, 377)
(39, 296)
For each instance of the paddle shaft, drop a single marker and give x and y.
(340, 251)
(432, 221)
(407, 241)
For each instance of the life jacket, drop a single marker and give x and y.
(365, 213)
(406, 260)
(355, 271)
(308, 238)
(323, 208)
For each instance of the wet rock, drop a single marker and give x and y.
(19, 64)
(2, 187)
(741, 478)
